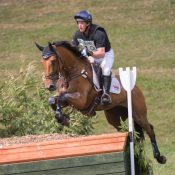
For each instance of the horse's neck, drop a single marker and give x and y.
(72, 65)
(69, 60)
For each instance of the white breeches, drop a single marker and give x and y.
(106, 62)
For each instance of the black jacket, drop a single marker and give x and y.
(97, 37)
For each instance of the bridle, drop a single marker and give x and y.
(55, 76)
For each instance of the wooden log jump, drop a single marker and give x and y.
(105, 154)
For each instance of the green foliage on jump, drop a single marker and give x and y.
(24, 108)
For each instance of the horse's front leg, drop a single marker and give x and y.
(64, 99)
(76, 99)
(55, 104)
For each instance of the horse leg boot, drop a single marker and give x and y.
(150, 131)
(52, 103)
(160, 158)
(55, 104)
(105, 98)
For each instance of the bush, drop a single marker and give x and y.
(24, 108)
(80, 124)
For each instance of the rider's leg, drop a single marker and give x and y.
(106, 66)
(105, 98)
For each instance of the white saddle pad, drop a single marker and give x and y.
(115, 85)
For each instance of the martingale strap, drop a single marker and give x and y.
(84, 74)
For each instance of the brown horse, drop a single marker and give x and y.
(63, 59)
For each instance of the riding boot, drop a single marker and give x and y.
(105, 98)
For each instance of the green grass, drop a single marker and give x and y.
(141, 32)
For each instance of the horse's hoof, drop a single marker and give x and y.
(66, 122)
(161, 159)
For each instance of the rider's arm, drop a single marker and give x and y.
(99, 39)
(99, 53)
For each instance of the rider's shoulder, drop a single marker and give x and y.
(97, 28)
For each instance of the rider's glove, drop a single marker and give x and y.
(91, 59)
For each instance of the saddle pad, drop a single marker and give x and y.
(115, 85)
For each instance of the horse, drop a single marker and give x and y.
(62, 59)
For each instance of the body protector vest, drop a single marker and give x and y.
(97, 37)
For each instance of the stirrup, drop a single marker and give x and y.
(106, 99)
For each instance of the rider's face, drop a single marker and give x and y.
(82, 25)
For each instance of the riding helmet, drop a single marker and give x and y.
(83, 15)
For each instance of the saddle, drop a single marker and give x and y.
(97, 80)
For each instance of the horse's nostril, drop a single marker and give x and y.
(51, 87)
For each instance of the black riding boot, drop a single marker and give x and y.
(105, 98)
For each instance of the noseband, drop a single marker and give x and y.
(52, 76)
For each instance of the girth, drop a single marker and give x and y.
(90, 110)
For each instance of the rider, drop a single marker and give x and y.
(94, 38)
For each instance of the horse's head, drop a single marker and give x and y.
(50, 62)
(61, 58)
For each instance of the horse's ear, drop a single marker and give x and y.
(51, 47)
(39, 47)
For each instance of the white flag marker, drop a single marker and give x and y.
(128, 79)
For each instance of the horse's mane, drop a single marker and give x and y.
(69, 46)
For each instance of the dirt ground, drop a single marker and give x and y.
(31, 139)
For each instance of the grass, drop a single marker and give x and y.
(141, 32)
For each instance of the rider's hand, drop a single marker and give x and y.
(91, 59)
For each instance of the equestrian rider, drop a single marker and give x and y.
(98, 49)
